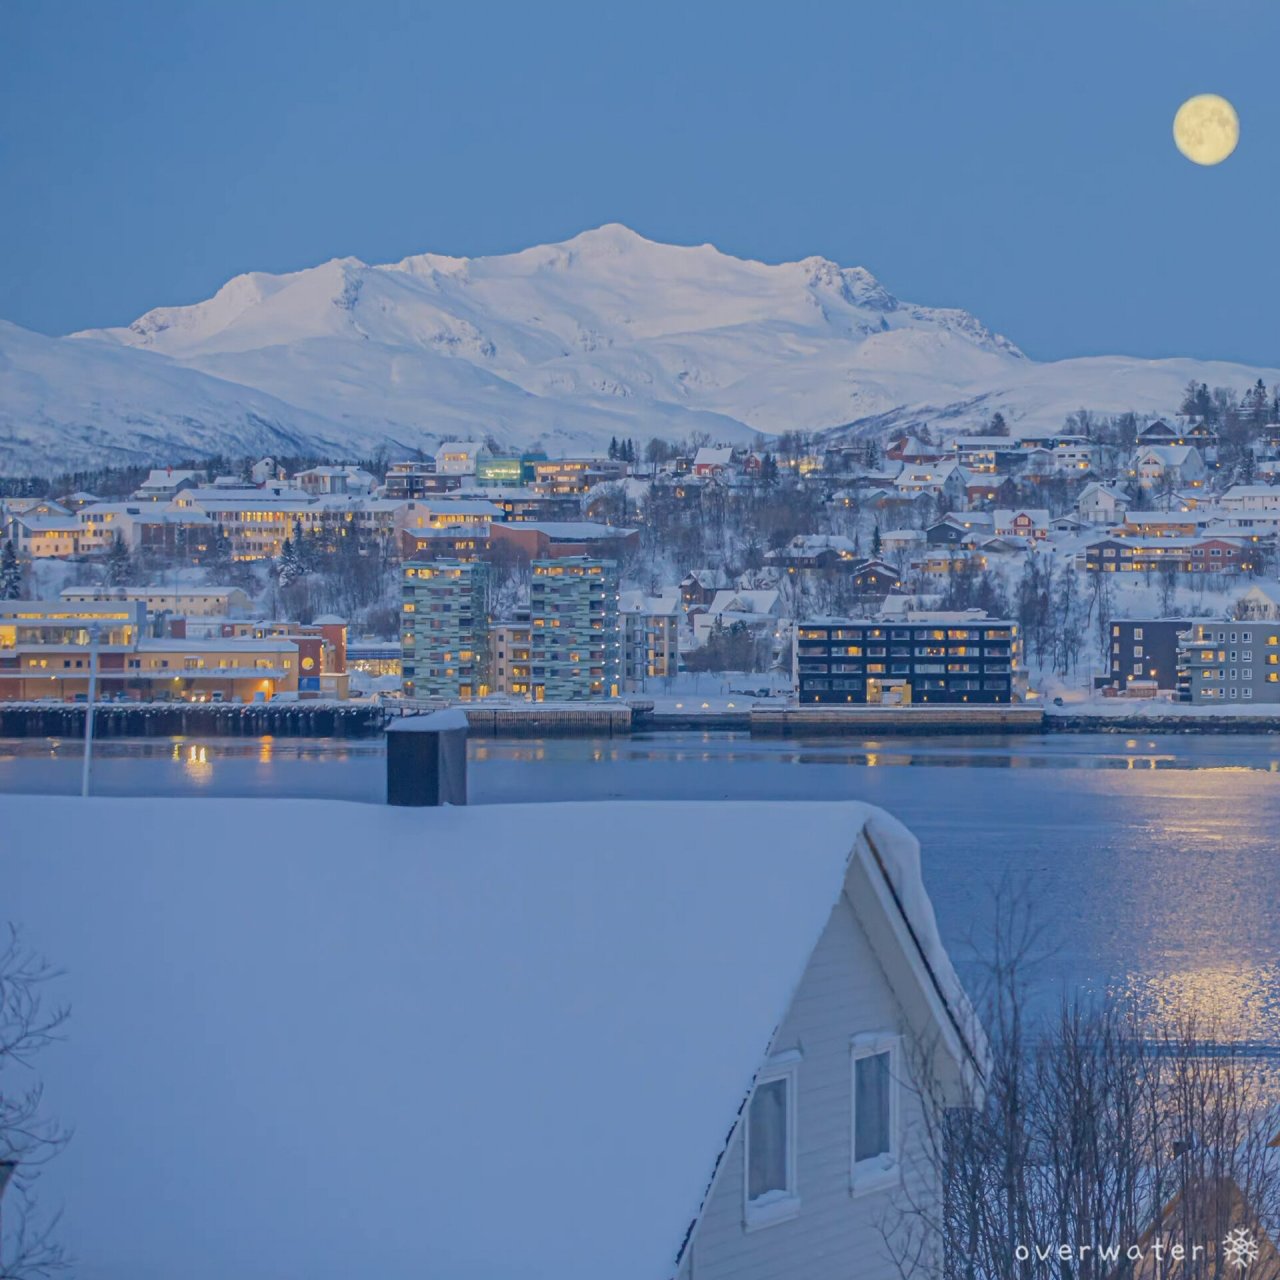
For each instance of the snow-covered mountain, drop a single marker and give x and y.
(561, 345)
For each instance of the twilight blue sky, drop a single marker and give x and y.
(1013, 157)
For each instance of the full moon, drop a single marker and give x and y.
(1206, 128)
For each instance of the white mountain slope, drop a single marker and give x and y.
(562, 345)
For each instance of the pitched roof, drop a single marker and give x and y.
(499, 1045)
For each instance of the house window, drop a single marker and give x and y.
(875, 1113)
(769, 1147)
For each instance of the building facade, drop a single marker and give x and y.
(510, 649)
(46, 653)
(575, 646)
(1144, 652)
(650, 636)
(935, 658)
(1173, 555)
(1220, 663)
(444, 629)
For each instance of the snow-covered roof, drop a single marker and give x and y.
(460, 448)
(1037, 515)
(50, 524)
(574, 530)
(712, 457)
(665, 604)
(754, 602)
(489, 1042)
(167, 478)
(1169, 455)
(445, 505)
(1096, 486)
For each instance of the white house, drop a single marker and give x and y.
(544, 1040)
(264, 470)
(459, 457)
(162, 483)
(1101, 504)
(1260, 601)
(1176, 465)
(758, 610)
(1251, 497)
(319, 481)
(929, 479)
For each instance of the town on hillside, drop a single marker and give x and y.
(1117, 558)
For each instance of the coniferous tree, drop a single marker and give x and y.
(10, 573)
(301, 549)
(877, 544)
(289, 569)
(119, 563)
(613, 448)
(220, 550)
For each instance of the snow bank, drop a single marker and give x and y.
(324, 1039)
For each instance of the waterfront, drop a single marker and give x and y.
(1153, 859)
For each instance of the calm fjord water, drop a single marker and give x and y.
(1154, 861)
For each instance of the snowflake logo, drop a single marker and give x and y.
(1239, 1247)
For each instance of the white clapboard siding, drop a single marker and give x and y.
(836, 1235)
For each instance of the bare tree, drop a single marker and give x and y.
(28, 1140)
(1105, 1145)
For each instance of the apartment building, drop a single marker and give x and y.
(650, 635)
(510, 654)
(575, 646)
(575, 475)
(1227, 555)
(1220, 663)
(444, 629)
(255, 521)
(459, 457)
(1143, 654)
(508, 469)
(190, 602)
(940, 657)
(405, 480)
(46, 652)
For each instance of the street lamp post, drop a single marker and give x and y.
(95, 632)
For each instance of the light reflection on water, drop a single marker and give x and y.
(1153, 860)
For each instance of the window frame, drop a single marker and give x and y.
(765, 1211)
(880, 1172)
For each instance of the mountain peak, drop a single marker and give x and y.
(561, 345)
(610, 237)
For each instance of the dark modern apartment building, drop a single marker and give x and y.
(1144, 650)
(943, 657)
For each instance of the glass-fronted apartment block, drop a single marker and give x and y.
(575, 646)
(936, 658)
(508, 469)
(1229, 662)
(444, 625)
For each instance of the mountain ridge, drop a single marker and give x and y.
(560, 346)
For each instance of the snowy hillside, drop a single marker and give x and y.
(561, 345)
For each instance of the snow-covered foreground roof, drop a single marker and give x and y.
(330, 1039)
